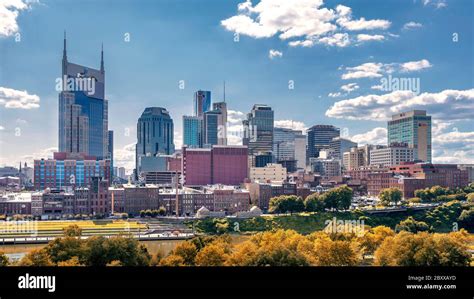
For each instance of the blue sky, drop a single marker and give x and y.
(334, 53)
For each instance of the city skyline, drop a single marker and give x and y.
(28, 104)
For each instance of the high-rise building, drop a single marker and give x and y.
(354, 158)
(258, 129)
(83, 111)
(319, 138)
(110, 155)
(300, 151)
(154, 135)
(192, 131)
(413, 128)
(202, 102)
(394, 154)
(211, 127)
(121, 173)
(222, 122)
(338, 146)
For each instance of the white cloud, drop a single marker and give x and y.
(366, 70)
(350, 87)
(346, 21)
(17, 99)
(375, 136)
(334, 94)
(452, 146)
(125, 157)
(435, 3)
(369, 37)
(307, 21)
(377, 70)
(412, 25)
(274, 54)
(445, 105)
(9, 11)
(377, 87)
(290, 124)
(338, 39)
(178, 139)
(413, 66)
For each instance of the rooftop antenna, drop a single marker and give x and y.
(102, 58)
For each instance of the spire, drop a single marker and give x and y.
(64, 64)
(64, 48)
(224, 91)
(102, 59)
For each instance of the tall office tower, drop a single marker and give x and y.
(211, 127)
(222, 122)
(83, 112)
(319, 137)
(413, 128)
(202, 102)
(258, 129)
(338, 146)
(110, 154)
(193, 131)
(154, 135)
(289, 145)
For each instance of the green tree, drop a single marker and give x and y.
(338, 198)
(466, 219)
(286, 203)
(314, 203)
(423, 194)
(162, 211)
(412, 226)
(390, 195)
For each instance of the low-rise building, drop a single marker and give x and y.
(271, 173)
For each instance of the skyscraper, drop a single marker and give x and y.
(83, 111)
(221, 122)
(110, 154)
(413, 128)
(154, 134)
(211, 127)
(258, 129)
(193, 131)
(202, 102)
(340, 145)
(319, 137)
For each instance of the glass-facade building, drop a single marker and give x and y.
(211, 127)
(202, 102)
(83, 110)
(192, 131)
(64, 172)
(414, 129)
(258, 129)
(319, 138)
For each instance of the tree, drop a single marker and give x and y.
(422, 249)
(172, 261)
(36, 257)
(390, 195)
(336, 253)
(72, 231)
(286, 203)
(337, 198)
(187, 251)
(3, 260)
(211, 255)
(63, 249)
(72, 262)
(372, 238)
(466, 219)
(412, 226)
(162, 211)
(314, 203)
(423, 194)
(142, 213)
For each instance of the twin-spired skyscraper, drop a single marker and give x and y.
(83, 109)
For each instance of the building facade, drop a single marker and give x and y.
(271, 173)
(202, 102)
(319, 138)
(392, 155)
(258, 129)
(414, 129)
(83, 109)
